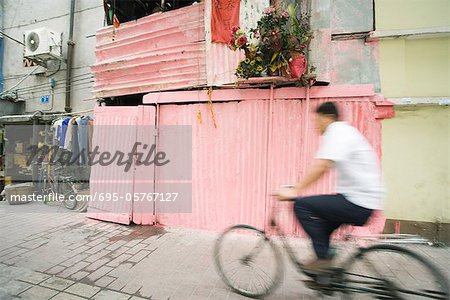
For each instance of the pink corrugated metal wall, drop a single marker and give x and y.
(228, 163)
(292, 152)
(116, 129)
(164, 51)
(243, 147)
(112, 132)
(236, 164)
(143, 211)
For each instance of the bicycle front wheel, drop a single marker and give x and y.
(70, 201)
(392, 272)
(248, 261)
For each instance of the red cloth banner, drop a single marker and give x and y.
(225, 15)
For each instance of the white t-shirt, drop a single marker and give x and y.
(359, 175)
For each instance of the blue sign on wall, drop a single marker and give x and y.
(44, 99)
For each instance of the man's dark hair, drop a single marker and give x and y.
(328, 109)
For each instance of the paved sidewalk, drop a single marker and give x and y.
(52, 253)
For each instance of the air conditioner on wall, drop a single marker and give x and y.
(42, 44)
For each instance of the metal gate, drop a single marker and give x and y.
(113, 185)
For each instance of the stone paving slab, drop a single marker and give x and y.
(68, 256)
(111, 295)
(65, 296)
(83, 290)
(57, 283)
(34, 277)
(14, 287)
(38, 293)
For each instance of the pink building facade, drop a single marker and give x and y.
(246, 142)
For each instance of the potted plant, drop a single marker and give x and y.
(280, 42)
(272, 35)
(300, 35)
(253, 64)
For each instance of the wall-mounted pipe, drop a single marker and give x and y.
(2, 42)
(70, 46)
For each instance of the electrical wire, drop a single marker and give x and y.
(46, 89)
(60, 114)
(11, 38)
(55, 17)
(43, 85)
(20, 75)
(60, 81)
(56, 89)
(73, 90)
(33, 94)
(17, 84)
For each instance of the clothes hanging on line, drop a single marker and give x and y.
(74, 134)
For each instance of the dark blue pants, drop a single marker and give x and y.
(321, 215)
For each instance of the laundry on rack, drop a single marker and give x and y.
(74, 134)
(84, 138)
(62, 136)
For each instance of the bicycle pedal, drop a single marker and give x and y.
(327, 272)
(312, 284)
(316, 286)
(323, 279)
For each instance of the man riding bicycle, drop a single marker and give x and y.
(359, 190)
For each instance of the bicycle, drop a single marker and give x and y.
(55, 187)
(378, 281)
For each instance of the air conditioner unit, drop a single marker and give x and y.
(42, 44)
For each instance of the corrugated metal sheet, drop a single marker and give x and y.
(228, 163)
(144, 211)
(114, 130)
(241, 151)
(294, 146)
(163, 51)
(231, 163)
(221, 64)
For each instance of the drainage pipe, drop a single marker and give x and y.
(70, 46)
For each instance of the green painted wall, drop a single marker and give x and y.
(415, 67)
(416, 142)
(416, 163)
(410, 14)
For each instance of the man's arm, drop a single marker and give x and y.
(320, 167)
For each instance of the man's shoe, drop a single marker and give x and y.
(318, 265)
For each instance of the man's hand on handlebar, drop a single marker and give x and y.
(286, 193)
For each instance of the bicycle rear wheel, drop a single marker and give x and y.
(248, 261)
(392, 272)
(67, 191)
(48, 190)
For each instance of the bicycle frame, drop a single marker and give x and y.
(279, 233)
